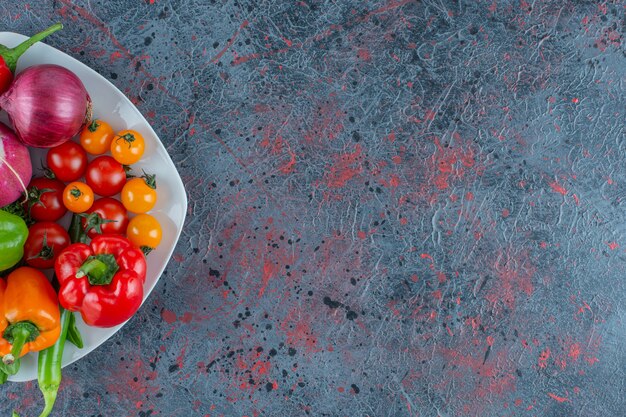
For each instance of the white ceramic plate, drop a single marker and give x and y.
(111, 105)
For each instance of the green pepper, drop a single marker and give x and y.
(73, 334)
(49, 369)
(13, 234)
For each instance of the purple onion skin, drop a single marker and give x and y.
(47, 105)
(13, 152)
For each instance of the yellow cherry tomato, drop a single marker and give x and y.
(145, 232)
(139, 194)
(77, 197)
(127, 147)
(96, 137)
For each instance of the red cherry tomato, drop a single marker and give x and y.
(105, 176)
(45, 199)
(45, 242)
(67, 161)
(108, 215)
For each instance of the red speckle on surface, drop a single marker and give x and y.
(364, 54)
(574, 351)
(556, 187)
(297, 327)
(557, 398)
(613, 245)
(543, 358)
(344, 168)
(168, 316)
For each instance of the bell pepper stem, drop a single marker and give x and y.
(12, 55)
(99, 269)
(21, 335)
(93, 267)
(18, 334)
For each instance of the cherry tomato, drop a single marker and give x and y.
(127, 147)
(45, 199)
(106, 216)
(139, 194)
(67, 161)
(96, 137)
(105, 176)
(44, 243)
(77, 197)
(145, 232)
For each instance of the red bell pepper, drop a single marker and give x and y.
(103, 280)
(9, 56)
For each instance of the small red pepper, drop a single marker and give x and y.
(103, 280)
(9, 56)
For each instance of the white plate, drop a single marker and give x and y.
(111, 105)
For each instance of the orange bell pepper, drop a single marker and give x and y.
(30, 319)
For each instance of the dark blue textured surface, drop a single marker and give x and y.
(397, 208)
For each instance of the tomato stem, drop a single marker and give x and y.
(128, 138)
(75, 192)
(150, 180)
(94, 126)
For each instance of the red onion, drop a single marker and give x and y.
(47, 105)
(15, 166)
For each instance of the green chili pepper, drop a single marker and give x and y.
(13, 234)
(3, 377)
(76, 231)
(73, 334)
(49, 370)
(51, 359)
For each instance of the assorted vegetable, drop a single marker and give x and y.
(47, 105)
(44, 243)
(96, 137)
(15, 166)
(49, 365)
(9, 56)
(145, 232)
(103, 280)
(106, 216)
(78, 197)
(30, 316)
(67, 161)
(99, 264)
(139, 194)
(105, 176)
(45, 199)
(13, 234)
(127, 147)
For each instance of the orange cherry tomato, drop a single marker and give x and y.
(96, 137)
(77, 197)
(127, 147)
(139, 194)
(145, 232)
